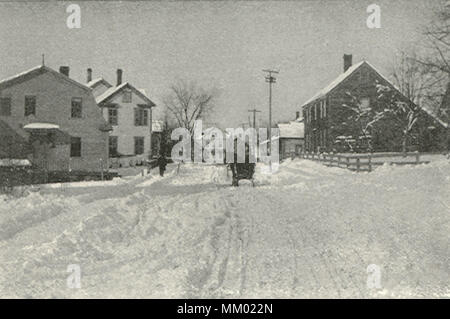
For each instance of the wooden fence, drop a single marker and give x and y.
(364, 162)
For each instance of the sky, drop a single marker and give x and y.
(221, 45)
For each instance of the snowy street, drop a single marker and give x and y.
(305, 231)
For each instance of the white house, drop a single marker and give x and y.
(292, 137)
(128, 111)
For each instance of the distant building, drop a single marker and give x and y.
(292, 137)
(53, 120)
(329, 125)
(128, 111)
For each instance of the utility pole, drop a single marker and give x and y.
(270, 79)
(254, 111)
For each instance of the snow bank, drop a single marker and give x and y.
(306, 230)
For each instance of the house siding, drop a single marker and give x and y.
(321, 131)
(53, 105)
(126, 130)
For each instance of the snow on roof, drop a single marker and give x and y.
(435, 117)
(113, 90)
(109, 92)
(335, 83)
(20, 74)
(157, 126)
(14, 162)
(292, 129)
(37, 70)
(94, 82)
(41, 126)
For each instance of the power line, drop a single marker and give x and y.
(270, 79)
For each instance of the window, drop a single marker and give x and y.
(30, 105)
(319, 110)
(76, 107)
(5, 106)
(365, 104)
(140, 117)
(126, 97)
(113, 116)
(75, 147)
(113, 141)
(138, 145)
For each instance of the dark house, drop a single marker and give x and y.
(332, 125)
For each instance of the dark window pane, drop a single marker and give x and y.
(140, 117)
(113, 116)
(138, 145)
(30, 105)
(76, 107)
(5, 106)
(75, 147)
(113, 141)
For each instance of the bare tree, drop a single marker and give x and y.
(363, 117)
(404, 113)
(435, 64)
(438, 35)
(187, 103)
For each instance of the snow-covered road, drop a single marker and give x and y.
(305, 231)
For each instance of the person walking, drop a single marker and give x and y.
(162, 163)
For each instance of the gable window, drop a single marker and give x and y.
(75, 147)
(30, 105)
(77, 107)
(113, 116)
(140, 117)
(138, 145)
(5, 106)
(126, 97)
(113, 142)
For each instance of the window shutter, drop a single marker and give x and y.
(136, 117)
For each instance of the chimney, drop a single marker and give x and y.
(347, 61)
(119, 77)
(89, 75)
(64, 70)
(297, 115)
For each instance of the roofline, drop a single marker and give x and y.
(313, 99)
(120, 88)
(434, 116)
(16, 79)
(98, 81)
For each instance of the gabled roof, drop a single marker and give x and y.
(93, 83)
(293, 129)
(110, 93)
(435, 117)
(31, 73)
(342, 77)
(334, 83)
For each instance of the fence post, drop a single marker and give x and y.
(313, 156)
(417, 158)
(370, 163)
(338, 160)
(348, 161)
(357, 164)
(101, 168)
(331, 160)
